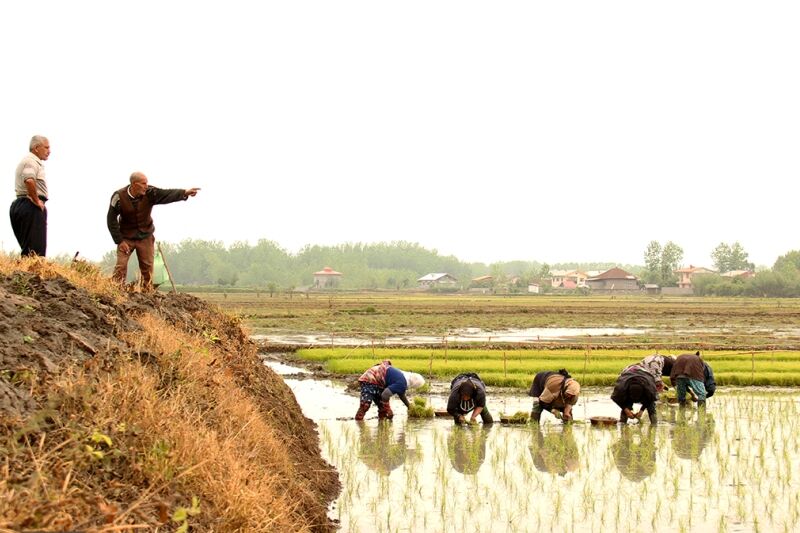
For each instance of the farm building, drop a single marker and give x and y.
(482, 281)
(327, 278)
(614, 279)
(567, 279)
(685, 275)
(533, 288)
(437, 279)
(652, 288)
(740, 274)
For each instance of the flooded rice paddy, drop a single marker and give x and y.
(466, 335)
(732, 467)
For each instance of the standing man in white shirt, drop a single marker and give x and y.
(28, 213)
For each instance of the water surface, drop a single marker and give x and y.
(732, 467)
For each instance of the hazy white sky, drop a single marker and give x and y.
(557, 131)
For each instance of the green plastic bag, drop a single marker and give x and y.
(160, 275)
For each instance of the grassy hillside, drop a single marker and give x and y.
(132, 412)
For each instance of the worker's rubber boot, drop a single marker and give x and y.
(623, 417)
(362, 410)
(486, 417)
(536, 413)
(385, 411)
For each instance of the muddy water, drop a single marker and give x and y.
(735, 467)
(529, 335)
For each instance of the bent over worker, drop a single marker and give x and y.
(554, 391)
(378, 384)
(468, 394)
(635, 385)
(131, 225)
(688, 374)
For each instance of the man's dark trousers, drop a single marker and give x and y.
(30, 226)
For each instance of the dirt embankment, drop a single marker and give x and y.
(132, 411)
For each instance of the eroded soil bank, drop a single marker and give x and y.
(144, 412)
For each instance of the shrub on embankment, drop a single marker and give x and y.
(516, 368)
(125, 411)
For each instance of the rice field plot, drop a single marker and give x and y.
(732, 323)
(731, 467)
(516, 368)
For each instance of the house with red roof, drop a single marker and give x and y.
(685, 275)
(327, 278)
(614, 279)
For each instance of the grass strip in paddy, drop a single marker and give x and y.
(516, 368)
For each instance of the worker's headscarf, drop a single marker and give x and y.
(573, 388)
(414, 380)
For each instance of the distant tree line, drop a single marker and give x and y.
(385, 265)
(782, 281)
(397, 265)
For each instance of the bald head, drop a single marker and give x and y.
(138, 184)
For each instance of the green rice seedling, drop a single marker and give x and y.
(520, 417)
(419, 408)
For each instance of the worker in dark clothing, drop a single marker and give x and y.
(131, 225)
(556, 392)
(688, 374)
(468, 394)
(635, 385)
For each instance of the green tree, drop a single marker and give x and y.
(728, 257)
(652, 263)
(788, 263)
(671, 256)
(661, 263)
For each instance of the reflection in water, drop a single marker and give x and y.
(635, 452)
(378, 448)
(556, 452)
(693, 429)
(466, 447)
(614, 479)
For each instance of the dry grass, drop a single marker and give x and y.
(80, 273)
(124, 447)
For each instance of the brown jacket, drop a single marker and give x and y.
(129, 218)
(687, 365)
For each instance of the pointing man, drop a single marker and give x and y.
(131, 225)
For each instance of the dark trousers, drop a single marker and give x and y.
(145, 252)
(30, 226)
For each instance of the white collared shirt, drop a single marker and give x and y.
(31, 167)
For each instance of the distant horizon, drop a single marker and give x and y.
(489, 133)
(227, 245)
